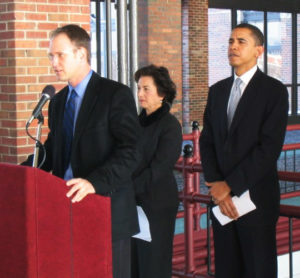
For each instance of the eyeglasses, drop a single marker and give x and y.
(60, 55)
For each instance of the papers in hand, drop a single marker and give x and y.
(243, 205)
(144, 233)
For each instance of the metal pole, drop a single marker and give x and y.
(133, 47)
(38, 143)
(291, 246)
(108, 39)
(122, 42)
(98, 36)
(209, 255)
(196, 157)
(188, 212)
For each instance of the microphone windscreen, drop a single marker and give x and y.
(49, 90)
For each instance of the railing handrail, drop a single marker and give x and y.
(196, 197)
(289, 176)
(291, 147)
(290, 211)
(293, 127)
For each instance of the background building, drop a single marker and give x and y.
(189, 37)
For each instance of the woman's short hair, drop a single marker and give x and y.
(161, 77)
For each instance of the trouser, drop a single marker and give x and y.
(245, 251)
(121, 258)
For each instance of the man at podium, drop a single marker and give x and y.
(92, 137)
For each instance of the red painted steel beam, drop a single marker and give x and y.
(290, 211)
(180, 273)
(293, 127)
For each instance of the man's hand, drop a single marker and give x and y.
(80, 188)
(219, 190)
(228, 208)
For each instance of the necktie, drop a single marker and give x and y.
(68, 127)
(234, 100)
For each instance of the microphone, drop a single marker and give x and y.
(47, 93)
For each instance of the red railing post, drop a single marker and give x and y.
(196, 159)
(188, 211)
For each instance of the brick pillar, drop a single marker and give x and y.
(24, 66)
(195, 56)
(160, 40)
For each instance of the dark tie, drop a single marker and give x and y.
(68, 127)
(234, 100)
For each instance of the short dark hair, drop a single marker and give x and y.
(256, 33)
(161, 77)
(77, 35)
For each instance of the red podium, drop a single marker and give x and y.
(44, 235)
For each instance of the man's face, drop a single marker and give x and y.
(64, 58)
(242, 50)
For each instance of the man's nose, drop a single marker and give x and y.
(233, 45)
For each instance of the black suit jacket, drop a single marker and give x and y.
(159, 148)
(245, 156)
(103, 148)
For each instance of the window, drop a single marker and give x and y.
(280, 25)
(219, 28)
(99, 49)
(255, 18)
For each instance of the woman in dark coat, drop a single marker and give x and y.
(154, 181)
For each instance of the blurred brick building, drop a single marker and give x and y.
(172, 33)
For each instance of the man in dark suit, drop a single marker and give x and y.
(239, 150)
(96, 152)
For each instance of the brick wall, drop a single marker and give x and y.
(24, 66)
(160, 40)
(196, 56)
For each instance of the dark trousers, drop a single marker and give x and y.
(154, 259)
(245, 251)
(121, 258)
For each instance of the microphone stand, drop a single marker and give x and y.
(40, 118)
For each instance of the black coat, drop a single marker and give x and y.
(245, 156)
(159, 148)
(104, 146)
(156, 191)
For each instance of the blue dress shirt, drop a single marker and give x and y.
(80, 90)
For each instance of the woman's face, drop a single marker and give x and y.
(148, 94)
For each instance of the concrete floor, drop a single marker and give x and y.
(283, 265)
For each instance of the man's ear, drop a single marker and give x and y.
(82, 53)
(259, 51)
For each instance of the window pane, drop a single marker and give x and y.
(93, 37)
(255, 18)
(290, 99)
(298, 52)
(219, 29)
(280, 46)
(298, 96)
(103, 38)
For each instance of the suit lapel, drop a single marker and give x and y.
(87, 105)
(224, 104)
(247, 98)
(60, 134)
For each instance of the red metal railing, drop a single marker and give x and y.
(193, 252)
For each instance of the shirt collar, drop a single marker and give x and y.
(246, 77)
(81, 87)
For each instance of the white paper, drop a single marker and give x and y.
(243, 205)
(144, 233)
